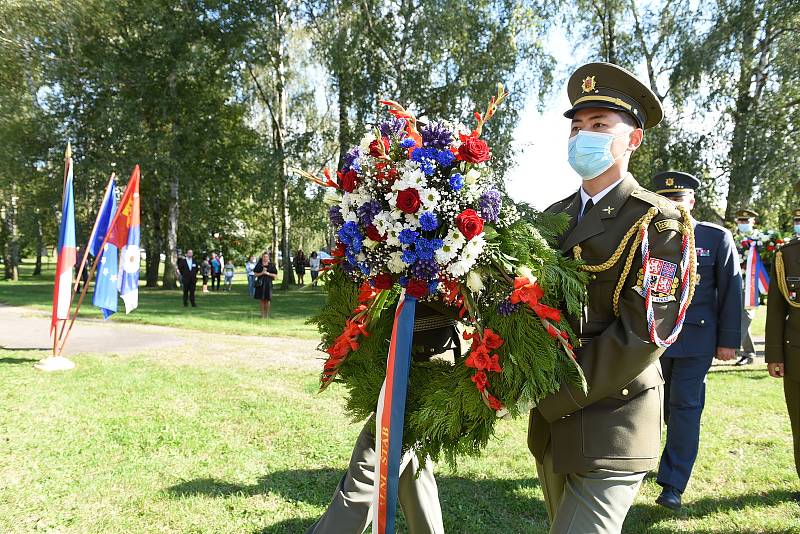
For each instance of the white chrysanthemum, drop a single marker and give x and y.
(369, 243)
(474, 282)
(412, 221)
(393, 233)
(383, 222)
(396, 264)
(461, 267)
(430, 198)
(361, 257)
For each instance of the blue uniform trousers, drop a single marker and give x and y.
(684, 399)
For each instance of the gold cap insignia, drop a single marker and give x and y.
(588, 84)
(669, 182)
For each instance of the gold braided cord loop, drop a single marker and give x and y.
(688, 231)
(780, 272)
(634, 230)
(606, 265)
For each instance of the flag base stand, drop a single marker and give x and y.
(55, 363)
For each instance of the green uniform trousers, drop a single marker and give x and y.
(791, 390)
(350, 511)
(595, 502)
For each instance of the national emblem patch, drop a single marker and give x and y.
(663, 281)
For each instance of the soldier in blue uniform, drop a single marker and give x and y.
(712, 329)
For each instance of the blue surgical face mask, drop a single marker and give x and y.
(797, 228)
(744, 227)
(589, 153)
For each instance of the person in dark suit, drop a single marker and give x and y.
(187, 270)
(712, 329)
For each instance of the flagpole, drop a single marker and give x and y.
(54, 363)
(67, 165)
(89, 279)
(86, 255)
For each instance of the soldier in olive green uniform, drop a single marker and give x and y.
(593, 450)
(782, 351)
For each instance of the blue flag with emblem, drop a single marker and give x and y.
(105, 288)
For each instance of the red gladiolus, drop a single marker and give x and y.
(492, 340)
(494, 403)
(348, 180)
(379, 147)
(480, 380)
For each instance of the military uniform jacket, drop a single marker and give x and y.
(714, 319)
(783, 313)
(617, 425)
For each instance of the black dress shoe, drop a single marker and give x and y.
(670, 498)
(745, 359)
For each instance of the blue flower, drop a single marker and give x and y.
(407, 143)
(367, 212)
(428, 221)
(436, 135)
(349, 159)
(425, 270)
(445, 158)
(489, 205)
(456, 182)
(335, 215)
(403, 281)
(420, 154)
(407, 236)
(364, 268)
(409, 256)
(392, 127)
(428, 167)
(433, 285)
(426, 248)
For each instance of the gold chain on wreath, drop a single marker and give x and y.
(635, 230)
(780, 272)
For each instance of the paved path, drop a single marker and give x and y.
(26, 329)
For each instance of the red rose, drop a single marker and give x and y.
(473, 150)
(374, 234)
(383, 281)
(375, 147)
(416, 288)
(348, 180)
(480, 380)
(469, 223)
(408, 200)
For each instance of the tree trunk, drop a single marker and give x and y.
(154, 245)
(11, 231)
(37, 269)
(171, 260)
(740, 181)
(281, 19)
(274, 244)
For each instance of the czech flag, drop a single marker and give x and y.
(105, 287)
(62, 290)
(126, 235)
(756, 280)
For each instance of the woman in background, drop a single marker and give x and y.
(313, 264)
(265, 272)
(300, 267)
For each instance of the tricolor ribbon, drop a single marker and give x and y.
(390, 417)
(756, 279)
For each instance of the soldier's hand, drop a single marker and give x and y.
(725, 353)
(775, 370)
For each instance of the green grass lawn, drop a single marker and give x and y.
(231, 312)
(136, 444)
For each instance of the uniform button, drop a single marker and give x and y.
(702, 321)
(625, 392)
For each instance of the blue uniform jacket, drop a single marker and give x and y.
(714, 316)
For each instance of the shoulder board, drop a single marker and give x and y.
(555, 205)
(668, 224)
(666, 207)
(713, 226)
